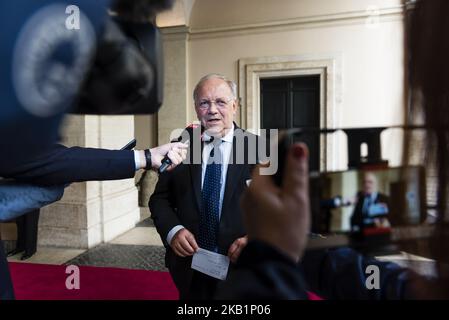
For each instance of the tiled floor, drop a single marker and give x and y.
(139, 248)
(123, 256)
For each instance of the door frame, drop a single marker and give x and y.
(328, 67)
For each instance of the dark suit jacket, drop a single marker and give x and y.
(177, 201)
(357, 215)
(62, 165)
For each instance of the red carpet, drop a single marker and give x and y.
(47, 282)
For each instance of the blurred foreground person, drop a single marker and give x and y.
(277, 219)
(278, 224)
(110, 65)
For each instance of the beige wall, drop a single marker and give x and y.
(219, 13)
(145, 127)
(372, 63)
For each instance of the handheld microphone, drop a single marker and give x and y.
(166, 162)
(130, 145)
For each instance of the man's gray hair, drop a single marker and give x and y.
(232, 85)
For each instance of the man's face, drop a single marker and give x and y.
(215, 106)
(369, 184)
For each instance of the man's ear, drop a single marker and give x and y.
(235, 105)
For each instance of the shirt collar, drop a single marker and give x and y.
(227, 138)
(372, 195)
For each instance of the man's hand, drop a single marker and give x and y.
(281, 216)
(176, 152)
(236, 248)
(183, 243)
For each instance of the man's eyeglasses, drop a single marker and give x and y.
(220, 103)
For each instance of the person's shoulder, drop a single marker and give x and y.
(238, 130)
(382, 196)
(359, 194)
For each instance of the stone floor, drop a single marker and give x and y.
(139, 248)
(123, 256)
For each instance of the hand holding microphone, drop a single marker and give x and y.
(166, 162)
(171, 160)
(168, 156)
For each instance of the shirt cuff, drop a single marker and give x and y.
(337, 202)
(138, 163)
(172, 233)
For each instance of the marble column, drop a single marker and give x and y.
(173, 113)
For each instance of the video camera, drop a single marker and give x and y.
(74, 56)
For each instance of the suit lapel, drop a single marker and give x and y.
(195, 173)
(232, 178)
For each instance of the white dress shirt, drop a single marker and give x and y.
(138, 164)
(225, 152)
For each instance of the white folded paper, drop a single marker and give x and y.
(213, 264)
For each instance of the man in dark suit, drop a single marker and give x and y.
(371, 207)
(197, 204)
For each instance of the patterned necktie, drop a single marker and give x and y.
(210, 206)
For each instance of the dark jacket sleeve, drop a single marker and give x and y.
(17, 199)
(161, 206)
(262, 272)
(62, 165)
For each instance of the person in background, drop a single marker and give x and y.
(371, 206)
